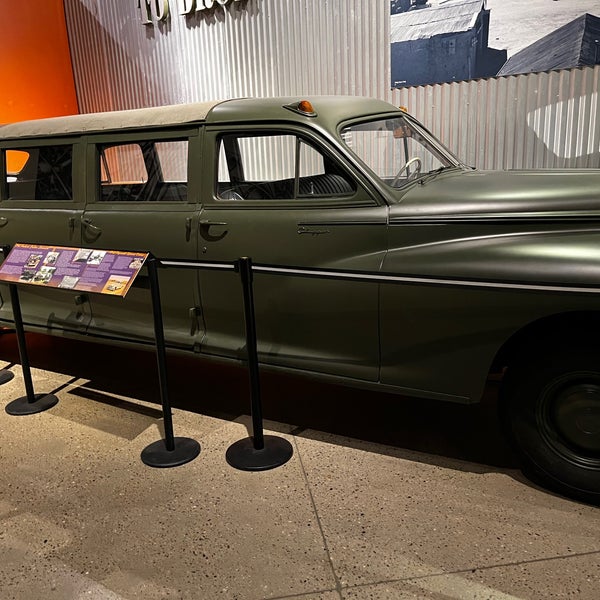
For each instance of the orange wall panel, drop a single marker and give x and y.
(37, 75)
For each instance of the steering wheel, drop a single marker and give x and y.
(413, 161)
(230, 194)
(246, 191)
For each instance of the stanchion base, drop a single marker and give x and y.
(6, 376)
(243, 456)
(22, 406)
(157, 455)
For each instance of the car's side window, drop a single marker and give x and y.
(143, 171)
(276, 167)
(39, 173)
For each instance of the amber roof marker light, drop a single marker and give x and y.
(303, 107)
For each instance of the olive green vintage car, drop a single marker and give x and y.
(452, 273)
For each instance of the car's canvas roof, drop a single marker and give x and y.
(178, 114)
(330, 110)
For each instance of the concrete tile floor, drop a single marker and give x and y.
(348, 519)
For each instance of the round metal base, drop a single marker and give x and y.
(6, 376)
(243, 456)
(157, 455)
(22, 406)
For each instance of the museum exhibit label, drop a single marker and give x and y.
(81, 269)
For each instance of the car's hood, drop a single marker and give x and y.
(502, 194)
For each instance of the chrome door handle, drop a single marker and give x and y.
(90, 228)
(3, 221)
(207, 223)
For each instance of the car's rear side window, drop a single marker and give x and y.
(141, 171)
(40, 173)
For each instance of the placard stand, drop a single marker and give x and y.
(171, 451)
(259, 452)
(32, 403)
(5, 374)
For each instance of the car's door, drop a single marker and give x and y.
(141, 202)
(284, 198)
(41, 202)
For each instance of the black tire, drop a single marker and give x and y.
(551, 411)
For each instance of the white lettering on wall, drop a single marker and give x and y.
(160, 8)
(151, 10)
(145, 11)
(187, 7)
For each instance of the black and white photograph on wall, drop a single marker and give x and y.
(442, 41)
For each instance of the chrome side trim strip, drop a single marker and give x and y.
(384, 277)
(494, 219)
(416, 280)
(194, 264)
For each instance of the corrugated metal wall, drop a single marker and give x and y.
(537, 120)
(292, 47)
(248, 48)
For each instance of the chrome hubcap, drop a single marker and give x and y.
(569, 417)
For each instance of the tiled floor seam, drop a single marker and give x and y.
(471, 570)
(524, 562)
(302, 595)
(338, 583)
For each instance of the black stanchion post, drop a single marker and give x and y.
(6, 375)
(172, 451)
(31, 403)
(259, 452)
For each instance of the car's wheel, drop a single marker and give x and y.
(551, 409)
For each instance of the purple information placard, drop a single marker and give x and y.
(81, 269)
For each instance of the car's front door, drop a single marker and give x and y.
(283, 199)
(142, 203)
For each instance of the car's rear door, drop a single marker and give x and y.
(141, 202)
(41, 202)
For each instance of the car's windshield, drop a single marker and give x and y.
(396, 150)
